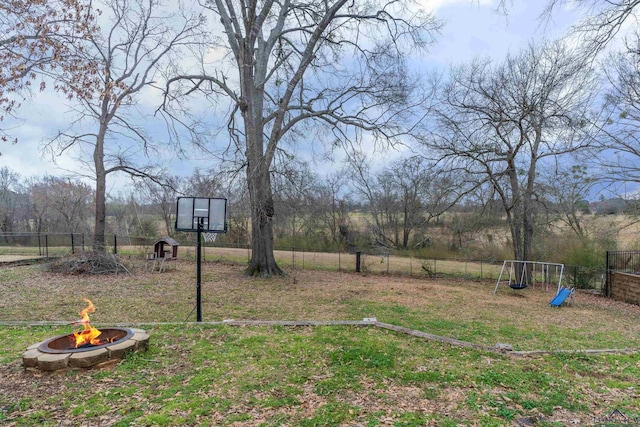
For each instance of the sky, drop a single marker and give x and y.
(471, 28)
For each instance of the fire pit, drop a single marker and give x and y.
(88, 348)
(60, 353)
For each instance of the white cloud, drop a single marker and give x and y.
(436, 5)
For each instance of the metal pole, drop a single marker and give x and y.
(73, 249)
(607, 282)
(115, 244)
(198, 274)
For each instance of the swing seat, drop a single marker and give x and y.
(517, 286)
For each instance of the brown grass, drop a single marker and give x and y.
(459, 309)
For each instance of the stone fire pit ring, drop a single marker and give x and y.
(46, 357)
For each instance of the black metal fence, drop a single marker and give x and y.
(60, 244)
(41, 244)
(586, 278)
(621, 262)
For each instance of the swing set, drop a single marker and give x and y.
(525, 273)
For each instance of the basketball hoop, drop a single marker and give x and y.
(206, 216)
(210, 237)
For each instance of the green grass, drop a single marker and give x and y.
(457, 309)
(304, 376)
(324, 376)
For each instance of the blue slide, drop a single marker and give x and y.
(561, 296)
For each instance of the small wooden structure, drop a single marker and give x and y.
(164, 250)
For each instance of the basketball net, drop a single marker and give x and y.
(210, 237)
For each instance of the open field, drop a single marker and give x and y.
(317, 376)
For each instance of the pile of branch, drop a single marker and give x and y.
(89, 263)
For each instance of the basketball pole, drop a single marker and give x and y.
(198, 273)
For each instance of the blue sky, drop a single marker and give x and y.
(472, 28)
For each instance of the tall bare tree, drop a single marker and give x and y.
(61, 204)
(294, 188)
(11, 194)
(404, 197)
(38, 38)
(566, 194)
(332, 206)
(289, 66)
(162, 197)
(621, 135)
(602, 20)
(502, 123)
(610, 27)
(136, 37)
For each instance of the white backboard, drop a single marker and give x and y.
(211, 213)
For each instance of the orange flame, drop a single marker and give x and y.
(90, 334)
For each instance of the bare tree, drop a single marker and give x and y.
(137, 36)
(11, 194)
(621, 137)
(203, 184)
(294, 189)
(61, 204)
(38, 39)
(404, 197)
(602, 20)
(288, 66)
(332, 206)
(239, 211)
(502, 123)
(566, 193)
(604, 26)
(162, 197)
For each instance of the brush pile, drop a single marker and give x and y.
(89, 262)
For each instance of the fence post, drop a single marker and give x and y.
(293, 262)
(46, 245)
(607, 282)
(115, 244)
(339, 260)
(358, 254)
(73, 250)
(83, 242)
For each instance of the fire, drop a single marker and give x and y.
(90, 334)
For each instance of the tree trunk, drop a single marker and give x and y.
(263, 262)
(517, 212)
(101, 189)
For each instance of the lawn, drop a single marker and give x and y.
(217, 374)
